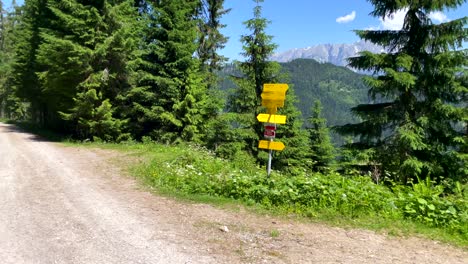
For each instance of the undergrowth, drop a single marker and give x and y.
(194, 171)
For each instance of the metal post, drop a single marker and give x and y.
(270, 157)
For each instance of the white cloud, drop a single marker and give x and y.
(346, 19)
(394, 21)
(438, 17)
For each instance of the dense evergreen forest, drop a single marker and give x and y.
(119, 70)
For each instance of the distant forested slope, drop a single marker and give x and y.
(338, 88)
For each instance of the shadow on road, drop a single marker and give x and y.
(32, 132)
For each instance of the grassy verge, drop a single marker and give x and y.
(192, 173)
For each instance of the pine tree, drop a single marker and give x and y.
(94, 117)
(65, 54)
(35, 15)
(170, 100)
(3, 70)
(210, 41)
(322, 150)
(413, 126)
(2, 26)
(10, 105)
(85, 52)
(293, 158)
(256, 71)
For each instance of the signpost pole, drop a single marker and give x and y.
(270, 157)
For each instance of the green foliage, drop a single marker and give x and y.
(169, 100)
(322, 150)
(422, 202)
(244, 103)
(211, 40)
(191, 170)
(337, 88)
(35, 15)
(10, 105)
(68, 47)
(93, 117)
(255, 71)
(415, 125)
(293, 159)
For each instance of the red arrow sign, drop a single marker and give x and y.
(270, 127)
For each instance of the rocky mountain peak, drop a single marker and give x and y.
(332, 53)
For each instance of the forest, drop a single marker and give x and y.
(151, 70)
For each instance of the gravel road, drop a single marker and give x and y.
(55, 209)
(74, 205)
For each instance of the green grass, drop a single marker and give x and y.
(192, 174)
(274, 233)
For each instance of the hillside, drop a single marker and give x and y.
(338, 88)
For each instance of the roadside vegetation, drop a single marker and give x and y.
(191, 172)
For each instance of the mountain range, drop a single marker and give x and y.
(332, 53)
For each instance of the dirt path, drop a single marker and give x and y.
(70, 205)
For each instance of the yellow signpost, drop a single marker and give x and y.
(274, 119)
(273, 96)
(271, 145)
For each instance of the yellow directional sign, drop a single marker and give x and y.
(273, 95)
(275, 119)
(265, 144)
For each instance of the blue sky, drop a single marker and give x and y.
(303, 23)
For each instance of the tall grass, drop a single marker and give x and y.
(193, 171)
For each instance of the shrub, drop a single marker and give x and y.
(195, 171)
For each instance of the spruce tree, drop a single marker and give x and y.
(3, 68)
(170, 99)
(256, 71)
(35, 16)
(2, 25)
(321, 148)
(293, 158)
(65, 54)
(210, 42)
(85, 53)
(415, 124)
(10, 105)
